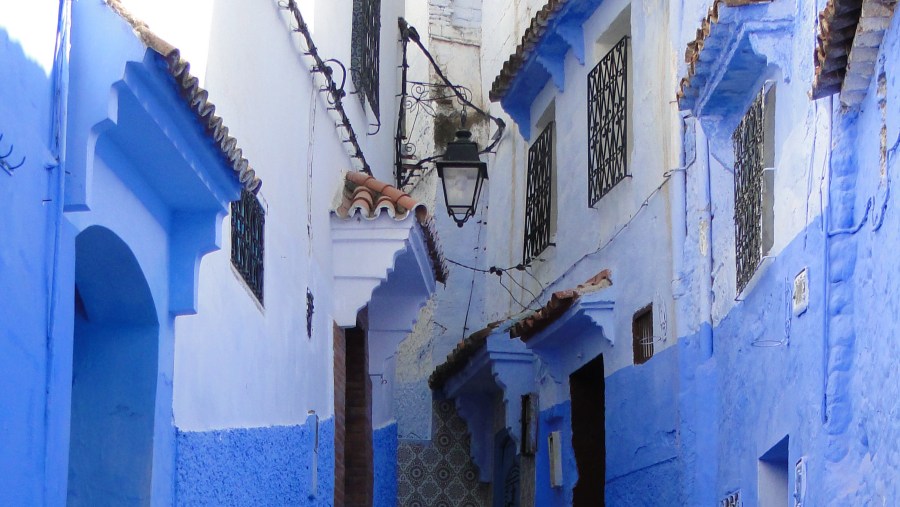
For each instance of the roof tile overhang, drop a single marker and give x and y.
(573, 327)
(722, 63)
(554, 30)
(484, 365)
(848, 42)
(133, 108)
(194, 97)
(488, 362)
(381, 236)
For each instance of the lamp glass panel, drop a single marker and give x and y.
(461, 183)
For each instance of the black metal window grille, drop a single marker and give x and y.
(642, 335)
(538, 196)
(247, 245)
(364, 50)
(749, 139)
(608, 122)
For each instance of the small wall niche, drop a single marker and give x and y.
(773, 476)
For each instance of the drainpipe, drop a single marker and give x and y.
(705, 240)
(678, 223)
(825, 204)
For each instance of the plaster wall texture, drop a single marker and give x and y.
(384, 445)
(689, 425)
(263, 369)
(25, 269)
(577, 254)
(819, 385)
(277, 465)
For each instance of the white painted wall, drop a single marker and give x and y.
(589, 240)
(238, 364)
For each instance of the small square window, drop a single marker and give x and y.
(247, 241)
(642, 335)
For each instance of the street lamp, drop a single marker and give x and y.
(462, 173)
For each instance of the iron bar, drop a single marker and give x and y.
(748, 139)
(608, 122)
(539, 195)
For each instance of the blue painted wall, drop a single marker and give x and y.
(256, 466)
(556, 418)
(27, 232)
(384, 447)
(643, 463)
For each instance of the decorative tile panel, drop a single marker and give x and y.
(440, 473)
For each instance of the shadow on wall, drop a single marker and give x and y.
(113, 375)
(25, 93)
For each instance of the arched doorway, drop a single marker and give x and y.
(114, 374)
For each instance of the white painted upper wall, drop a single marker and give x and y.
(589, 239)
(238, 364)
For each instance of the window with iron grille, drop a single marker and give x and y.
(539, 194)
(753, 193)
(364, 50)
(642, 335)
(247, 246)
(608, 122)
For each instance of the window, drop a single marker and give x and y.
(608, 122)
(539, 195)
(364, 50)
(642, 335)
(753, 185)
(247, 246)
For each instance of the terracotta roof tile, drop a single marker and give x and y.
(366, 197)
(461, 355)
(847, 44)
(559, 302)
(195, 97)
(530, 40)
(524, 327)
(694, 49)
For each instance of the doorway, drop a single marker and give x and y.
(114, 372)
(358, 480)
(506, 471)
(587, 389)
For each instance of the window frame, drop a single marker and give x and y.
(642, 351)
(248, 221)
(364, 52)
(608, 123)
(753, 142)
(539, 195)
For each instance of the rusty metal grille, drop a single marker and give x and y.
(608, 122)
(642, 334)
(539, 195)
(748, 138)
(364, 51)
(247, 245)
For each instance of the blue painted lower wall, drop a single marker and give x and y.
(643, 465)
(556, 418)
(256, 466)
(384, 445)
(643, 460)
